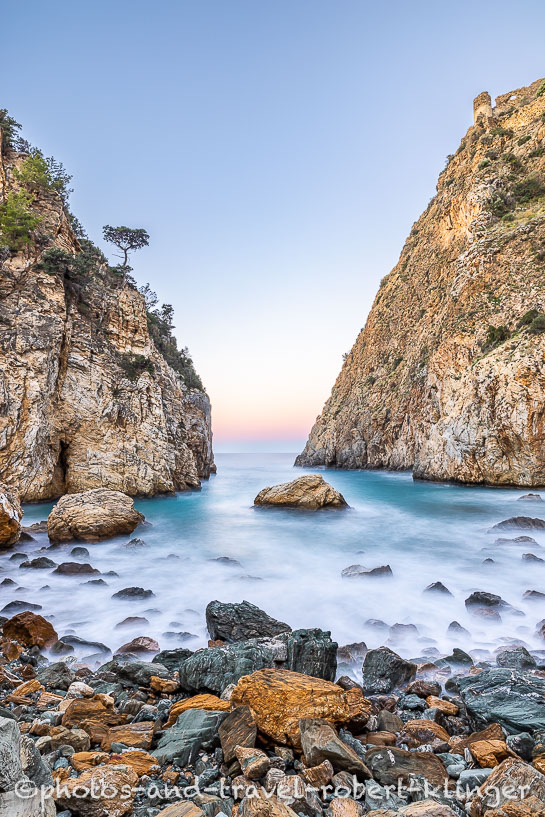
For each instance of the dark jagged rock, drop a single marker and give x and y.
(238, 622)
(520, 522)
(80, 552)
(384, 670)
(512, 698)
(18, 606)
(310, 652)
(483, 599)
(438, 587)
(194, 730)
(56, 676)
(517, 658)
(133, 594)
(40, 563)
(455, 628)
(238, 729)
(390, 764)
(320, 742)
(76, 569)
(531, 557)
(76, 641)
(135, 673)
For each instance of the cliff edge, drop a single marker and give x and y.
(87, 397)
(447, 377)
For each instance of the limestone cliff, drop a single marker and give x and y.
(447, 377)
(87, 400)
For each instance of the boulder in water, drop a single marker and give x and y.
(384, 670)
(310, 491)
(31, 630)
(520, 522)
(92, 515)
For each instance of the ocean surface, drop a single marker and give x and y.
(289, 563)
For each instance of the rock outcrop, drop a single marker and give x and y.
(310, 492)
(10, 519)
(92, 515)
(447, 377)
(87, 398)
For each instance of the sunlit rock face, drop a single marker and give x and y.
(428, 386)
(71, 419)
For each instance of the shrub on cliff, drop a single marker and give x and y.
(537, 327)
(496, 335)
(9, 128)
(17, 220)
(135, 365)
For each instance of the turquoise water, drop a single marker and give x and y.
(290, 561)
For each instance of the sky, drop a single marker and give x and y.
(276, 152)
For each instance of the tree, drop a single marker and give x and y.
(9, 128)
(126, 239)
(17, 221)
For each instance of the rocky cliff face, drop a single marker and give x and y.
(447, 378)
(86, 398)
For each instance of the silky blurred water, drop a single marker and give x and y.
(290, 561)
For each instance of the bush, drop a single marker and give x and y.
(514, 161)
(135, 365)
(496, 335)
(484, 163)
(9, 128)
(524, 139)
(541, 89)
(501, 132)
(537, 153)
(537, 327)
(528, 317)
(17, 221)
(504, 201)
(39, 175)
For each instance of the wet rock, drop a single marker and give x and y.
(516, 657)
(238, 622)
(531, 557)
(253, 762)
(194, 730)
(133, 594)
(310, 652)
(522, 744)
(226, 560)
(310, 492)
(384, 670)
(75, 569)
(132, 621)
(390, 765)
(530, 498)
(80, 552)
(33, 765)
(18, 557)
(320, 742)
(455, 628)
(137, 735)
(533, 595)
(31, 630)
(279, 698)
(438, 587)
(352, 653)
(92, 515)
(457, 658)
(7, 583)
(459, 743)
(95, 583)
(171, 659)
(520, 522)
(483, 599)
(514, 699)
(140, 644)
(204, 701)
(77, 641)
(358, 571)
(61, 648)
(10, 519)
(19, 605)
(489, 753)
(40, 563)
(389, 721)
(136, 673)
(424, 689)
(56, 676)
(135, 543)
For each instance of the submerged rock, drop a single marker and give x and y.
(237, 622)
(133, 594)
(92, 515)
(310, 491)
(518, 522)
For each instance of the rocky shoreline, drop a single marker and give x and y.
(256, 724)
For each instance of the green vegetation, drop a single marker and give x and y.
(496, 335)
(135, 365)
(524, 139)
(483, 164)
(499, 131)
(17, 221)
(534, 321)
(513, 161)
(524, 191)
(536, 153)
(541, 89)
(39, 175)
(9, 128)
(126, 239)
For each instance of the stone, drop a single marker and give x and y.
(239, 622)
(118, 782)
(311, 652)
(83, 761)
(279, 698)
(522, 744)
(10, 518)
(32, 763)
(260, 804)
(57, 676)
(206, 702)
(40, 563)
(516, 657)
(141, 644)
(384, 670)
(92, 515)
(482, 599)
(78, 689)
(310, 492)
(237, 730)
(512, 698)
(438, 587)
(80, 552)
(446, 707)
(142, 762)
(137, 735)
(195, 729)
(133, 594)
(253, 762)
(319, 775)
(533, 595)
(320, 742)
(421, 732)
(489, 753)
(427, 808)
(75, 569)
(136, 673)
(99, 708)
(390, 764)
(345, 807)
(520, 522)
(78, 739)
(163, 686)
(506, 784)
(530, 498)
(34, 805)
(459, 743)
(11, 770)
(183, 809)
(358, 571)
(30, 629)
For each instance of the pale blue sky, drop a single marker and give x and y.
(277, 153)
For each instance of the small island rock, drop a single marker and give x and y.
(310, 491)
(92, 515)
(10, 519)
